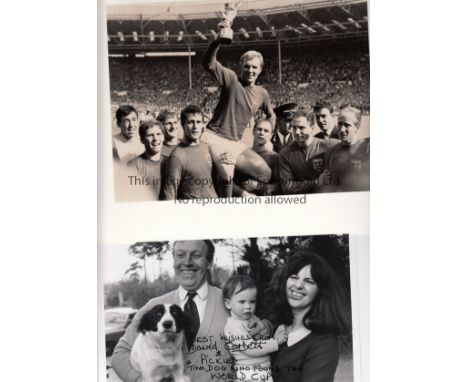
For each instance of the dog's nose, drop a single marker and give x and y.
(167, 324)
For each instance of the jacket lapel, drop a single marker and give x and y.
(209, 313)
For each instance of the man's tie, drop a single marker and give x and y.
(190, 309)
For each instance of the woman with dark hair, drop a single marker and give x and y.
(310, 307)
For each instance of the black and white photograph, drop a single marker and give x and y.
(254, 309)
(159, 255)
(254, 98)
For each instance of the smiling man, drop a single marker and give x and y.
(203, 304)
(145, 170)
(189, 167)
(170, 124)
(126, 145)
(245, 186)
(296, 170)
(323, 115)
(347, 164)
(240, 100)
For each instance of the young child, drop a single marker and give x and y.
(252, 360)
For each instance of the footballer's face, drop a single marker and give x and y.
(250, 70)
(324, 119)
(129, 125)
(284, 126)
(191, 264)
(193, 127)
(262, 133)
(171, 127)
(302, 130)
(153, 140)
(348, 126)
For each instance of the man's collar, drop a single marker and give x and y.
(202, 292)
(146, 156)
(353, 147)
(175, 144)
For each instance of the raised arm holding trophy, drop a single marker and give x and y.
(240, 100)
(226, 34)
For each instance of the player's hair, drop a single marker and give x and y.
(189, 109)
(353, 110)
(301, 113)
(145, 126)
(260, 120)
(123, 111)
(242, 282)
(166, 114)
(323, 105)
(250, 55)
(328, 312)
(209, 246)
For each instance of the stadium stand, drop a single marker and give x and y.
(157, 83)
(323, 48)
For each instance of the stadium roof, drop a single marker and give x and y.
(172, 10)
(147, 26)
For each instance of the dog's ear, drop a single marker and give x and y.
(181, 319)
(149, 321)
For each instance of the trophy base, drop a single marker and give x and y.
(225, 41)
(225, 36)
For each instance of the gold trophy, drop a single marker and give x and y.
(226, 34)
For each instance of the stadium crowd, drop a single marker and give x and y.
(340, 76)
(178, 143)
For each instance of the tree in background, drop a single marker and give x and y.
(143, 251)
(262, 259)
(133, 271)
(219, 276)
(135, 292)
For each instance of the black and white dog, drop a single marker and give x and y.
(157, 351)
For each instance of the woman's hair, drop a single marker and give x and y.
(329, 312)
